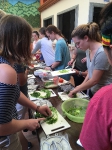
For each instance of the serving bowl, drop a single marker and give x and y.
(75, 109)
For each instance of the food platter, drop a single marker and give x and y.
(62, 72)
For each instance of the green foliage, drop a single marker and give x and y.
(28, 12)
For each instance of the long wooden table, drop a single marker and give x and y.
(73, 132)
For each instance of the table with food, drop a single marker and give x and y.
(61, 130)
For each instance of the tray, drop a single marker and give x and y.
(60, 125)
(34, 98)
(58, 73)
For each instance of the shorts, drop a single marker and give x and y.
(11, 142)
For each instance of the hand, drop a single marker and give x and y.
(33, 124)
(71, 94)
(44, 110)
(76, 71)
(47, 68)
(70, 63)
(84, 60)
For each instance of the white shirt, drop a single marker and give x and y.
(47, 51)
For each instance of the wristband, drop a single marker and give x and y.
(52, 69)
(80, 73)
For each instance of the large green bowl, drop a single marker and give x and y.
(68, 104)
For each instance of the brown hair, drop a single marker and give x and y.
(52, 28)
(90, 29)
(15, 39)
(43, 31)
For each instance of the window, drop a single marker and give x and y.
(47, 22)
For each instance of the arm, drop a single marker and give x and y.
(9, 78)
(80, 73)
(97, 74)
(74, 55)
(37, 47)
(18, 125)
(55, 64)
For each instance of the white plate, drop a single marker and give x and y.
(34, 98)
(58, 73)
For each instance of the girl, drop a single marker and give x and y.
(99, 70)
(15, 39)
(62, 54)
(96, 132)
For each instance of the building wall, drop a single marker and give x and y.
(24, 8)
(65, 5)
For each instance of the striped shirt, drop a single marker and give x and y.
(9, 95)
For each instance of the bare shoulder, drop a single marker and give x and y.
(7, 74)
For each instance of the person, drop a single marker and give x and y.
(15, 38)
(62, 54)
(96, 133)
(35, 37)
(88, 38)
(80, 67)
(45, 46)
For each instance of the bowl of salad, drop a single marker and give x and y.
(75, 109)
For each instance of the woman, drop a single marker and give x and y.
(62, 54)
(35, 37)
(96, 132)
(45, 46)
(15, 38)
(80, 67)
(99, 72)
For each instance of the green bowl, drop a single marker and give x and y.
(71, 103)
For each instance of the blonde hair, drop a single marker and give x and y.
(90, 29)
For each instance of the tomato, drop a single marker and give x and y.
(61, 80)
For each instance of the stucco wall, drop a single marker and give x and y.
(66, 5)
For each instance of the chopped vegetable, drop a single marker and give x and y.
(49, 120)
(44, 93)
(35, 94)
(49, 83)
(77, 111)
(63, 71)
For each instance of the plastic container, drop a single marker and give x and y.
(38, 72)
(72, 103)
(50, 82)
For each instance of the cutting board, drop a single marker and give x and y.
(65, 97)
(34, 98)
(60, 125)
(58, 73)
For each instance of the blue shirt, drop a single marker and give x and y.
(62, 54)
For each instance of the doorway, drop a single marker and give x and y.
(66, 23)
(96, 14)
(47, 22)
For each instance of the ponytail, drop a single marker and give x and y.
(90, 29)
